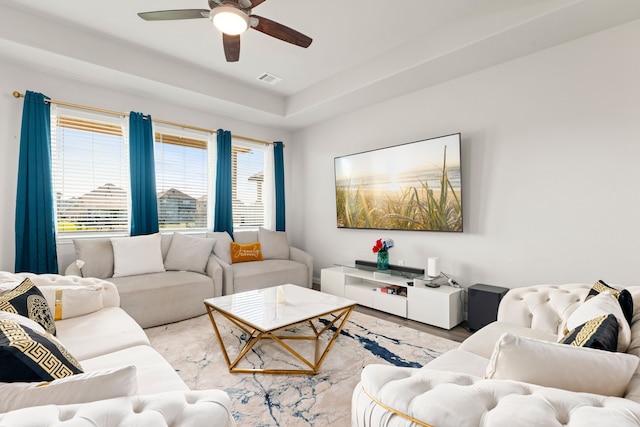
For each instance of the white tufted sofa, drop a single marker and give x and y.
(452, 390)
(108, 339)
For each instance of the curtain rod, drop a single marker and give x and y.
(17, 94)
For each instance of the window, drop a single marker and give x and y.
(252, 193)
(90, 165)
(181, 178)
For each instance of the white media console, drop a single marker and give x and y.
(441, 307)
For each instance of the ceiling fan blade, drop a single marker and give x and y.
(231, 47)
(215, 3)
(279, 31)
(256, 3)
(169, 15)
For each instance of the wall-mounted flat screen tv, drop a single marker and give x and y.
(413, 186)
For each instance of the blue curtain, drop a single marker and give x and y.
(278, 164)
(223, 217)
(144, 199)
(35, 224)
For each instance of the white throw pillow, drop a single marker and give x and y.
(70, 301)
(137, 255)
(22, 320)
(274, 244)
(189, 253)
(222, 248)
(599, 305)
(561, 366)
(79, 388)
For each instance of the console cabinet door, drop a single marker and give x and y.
(332, 281)
(441, 307)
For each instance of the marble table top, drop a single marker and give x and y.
(278, 306)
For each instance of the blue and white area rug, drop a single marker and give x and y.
(323, 399)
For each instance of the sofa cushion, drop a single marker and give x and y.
(245, 236)
(274, 244)
(79, 388)
(111, 330)
(189, 253)
(96, 256)
(561, 366)
(459, 361)
(484, 340)
(248, 276)
(154, 373)
(73, 301)
(179, 293)
(26, 355)
(137, 255)
(602, 304)
(222, 247)
(27, 300)
(245, 252)
(600, 333)
(623, 296)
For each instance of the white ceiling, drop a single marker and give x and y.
(363, 52)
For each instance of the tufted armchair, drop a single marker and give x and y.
(454, 389)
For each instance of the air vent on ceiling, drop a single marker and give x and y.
(269, 78)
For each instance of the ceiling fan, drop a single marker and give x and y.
(233, 17)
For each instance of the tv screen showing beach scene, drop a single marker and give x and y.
(413, 186)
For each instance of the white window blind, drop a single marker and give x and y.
(90, 165)
(181, 178)
(251, 192)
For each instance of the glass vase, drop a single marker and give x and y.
(383, 260)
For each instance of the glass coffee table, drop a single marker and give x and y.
(283, 315)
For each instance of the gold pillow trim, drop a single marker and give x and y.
(20, 339)
(37, 306)
(396, 412)
(588, 329)
(600, 288)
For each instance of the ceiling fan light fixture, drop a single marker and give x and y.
(229, 20)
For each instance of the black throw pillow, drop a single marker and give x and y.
(29, 356)
(27, 300)
(600, 333)
(623, 296)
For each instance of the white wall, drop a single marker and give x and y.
(18, 78)
(551, 168)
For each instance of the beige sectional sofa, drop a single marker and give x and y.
(280, 264)
(516, 372)
(125, 381)
(160, 278)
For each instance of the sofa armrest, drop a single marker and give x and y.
(73, 270)
(227, 276)
(214, 270)
(440, 398)
(184, 408)
(111, 297)
(302, 257)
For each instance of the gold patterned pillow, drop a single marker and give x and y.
(622, 295)
(27, 355)
(600, 333)
(27, 300)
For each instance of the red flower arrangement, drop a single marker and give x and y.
(382, 245)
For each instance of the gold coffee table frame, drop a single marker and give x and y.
(256, 334)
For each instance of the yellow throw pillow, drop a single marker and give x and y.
(245, 252)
